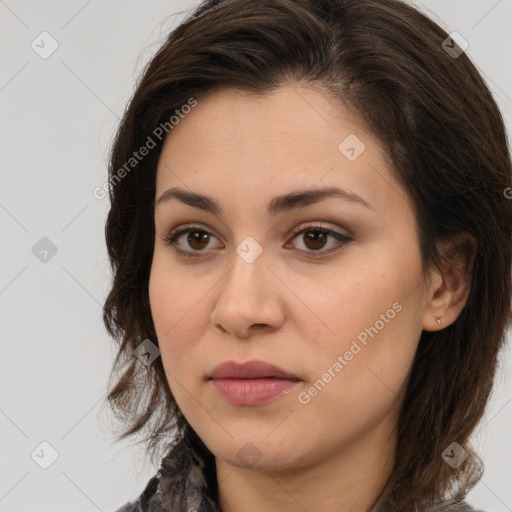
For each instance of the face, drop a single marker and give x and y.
(329, 288)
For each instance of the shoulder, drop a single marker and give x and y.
(461, 506)
(141, 504)
(465, 507)
(129, 507)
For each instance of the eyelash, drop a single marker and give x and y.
(170, 239)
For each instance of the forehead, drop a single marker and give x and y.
(241, 147)
(232, 117)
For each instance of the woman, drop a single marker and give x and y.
(310, 237)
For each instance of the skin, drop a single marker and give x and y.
(287, 308)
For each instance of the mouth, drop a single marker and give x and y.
(251, 383)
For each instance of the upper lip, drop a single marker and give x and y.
(249, 370)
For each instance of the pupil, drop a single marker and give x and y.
(201, 237)
(315, 237)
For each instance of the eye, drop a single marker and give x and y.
(314, 239)
(197, 239)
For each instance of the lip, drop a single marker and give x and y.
(251, 383)
(249, 370)
(251, 391)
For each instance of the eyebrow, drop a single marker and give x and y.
(279, 204)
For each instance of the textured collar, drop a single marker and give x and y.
(185, 482)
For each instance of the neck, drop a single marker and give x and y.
(349, 480)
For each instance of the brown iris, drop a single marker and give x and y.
(315, 239)
(198, 237)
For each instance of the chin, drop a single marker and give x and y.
(261, 453)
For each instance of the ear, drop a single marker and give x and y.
(451, 283)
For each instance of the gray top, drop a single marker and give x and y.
(186, 482)
(135, 507)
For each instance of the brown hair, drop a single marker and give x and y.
(446, 141)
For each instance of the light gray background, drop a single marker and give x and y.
(57, 121)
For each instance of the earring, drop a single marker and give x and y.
(438, 321)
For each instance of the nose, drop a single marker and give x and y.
(249, 299)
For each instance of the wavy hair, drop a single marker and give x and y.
(445, 138)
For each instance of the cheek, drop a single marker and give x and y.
(341, 304)
(371, 320)
(356, 380)
(175, 295)
(171, 301)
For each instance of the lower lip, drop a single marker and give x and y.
(251, 391)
